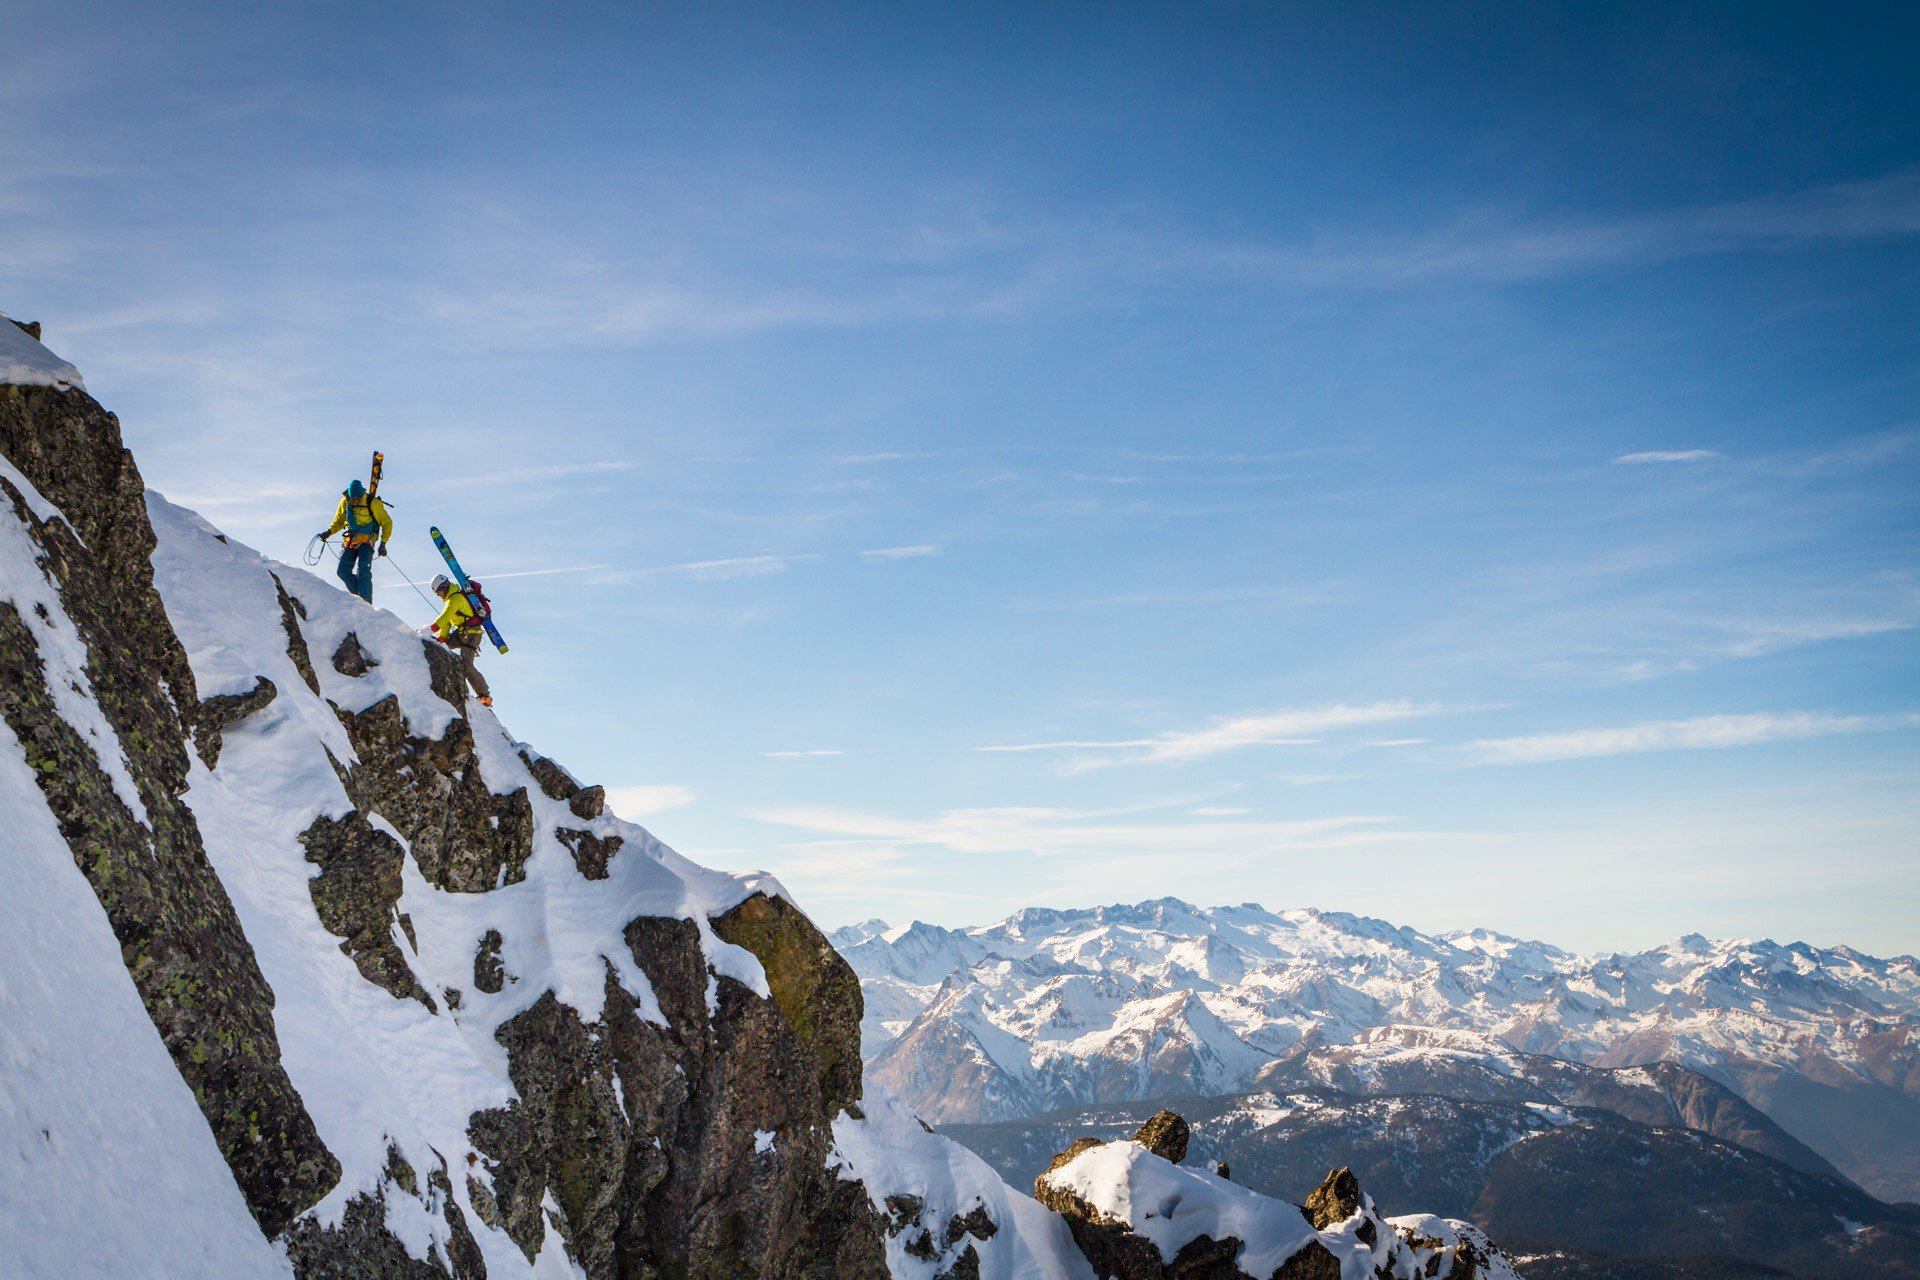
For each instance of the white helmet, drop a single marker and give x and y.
(440, 583)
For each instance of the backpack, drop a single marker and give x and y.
(482, 607)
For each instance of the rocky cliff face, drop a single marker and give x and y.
(441, 1012)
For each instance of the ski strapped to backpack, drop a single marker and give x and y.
(481, 609)
(373, 481)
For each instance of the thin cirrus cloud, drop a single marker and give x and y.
(1697, 733)
(1665, 455)
(1229, 733)
(799, 755)
(914, 552)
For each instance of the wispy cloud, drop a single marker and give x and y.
(643, 801)
(541, 573)
(1665, 455)
(1217, 811)
(1698, 733)
(902, 553)
(1230, 733)
(731, 567)
(1054, 832)
(524, 475)
(798, 755)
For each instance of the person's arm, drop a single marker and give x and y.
(384, 519)
(456, 612)
(339, 520)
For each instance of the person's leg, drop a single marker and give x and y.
(469, 658)
(344, 571)
(365, 587)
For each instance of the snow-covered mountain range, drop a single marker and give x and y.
(1050, 1008)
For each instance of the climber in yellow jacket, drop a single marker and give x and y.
(458, 627)
(365, 519)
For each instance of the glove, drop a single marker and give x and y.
(434, 627)
(383, 548)
(323, 535)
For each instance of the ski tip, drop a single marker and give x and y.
(503, 648)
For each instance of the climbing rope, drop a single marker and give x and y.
(317, 547)
(410, 582)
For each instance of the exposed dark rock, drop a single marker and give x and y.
(591, 853)
(352, 660)
(1315, 1263)
(1165, 1135)
(586, 803)
(29, 327)
(223, 711)
(292, 612)
(465, 838)
(1334, 1200)
(974, 1222)
(489, 973)
(355, 894)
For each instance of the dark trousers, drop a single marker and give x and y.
(356, 570)
(467, 644)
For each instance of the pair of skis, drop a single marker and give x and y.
(460, 576)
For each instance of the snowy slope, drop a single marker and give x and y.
(1050, 1004)
(24, 362)
(91, 1106)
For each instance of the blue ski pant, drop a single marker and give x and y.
(356, 570)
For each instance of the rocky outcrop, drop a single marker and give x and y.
(1136, 1215)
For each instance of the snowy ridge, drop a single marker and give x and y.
(359, 1057)
(25, 362)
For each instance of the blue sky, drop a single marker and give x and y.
(1458, 464)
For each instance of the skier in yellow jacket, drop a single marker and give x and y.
(365, 518)
(458, 627)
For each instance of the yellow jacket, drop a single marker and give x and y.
(360, 518)
(458, 614)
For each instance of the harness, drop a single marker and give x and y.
(478, 602)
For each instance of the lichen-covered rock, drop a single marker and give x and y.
(181, 940)
(1165, 1134)
(816, 989)
(355, 894)
(1336, 1199)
